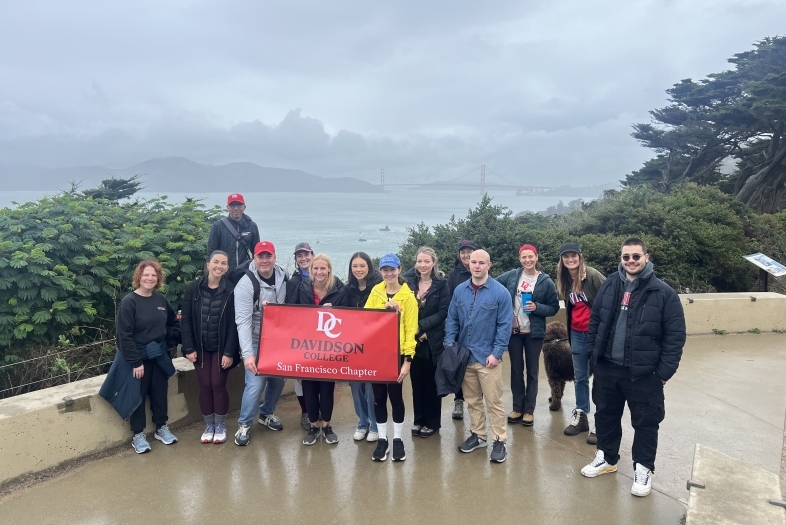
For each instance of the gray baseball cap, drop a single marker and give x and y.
(303, 247)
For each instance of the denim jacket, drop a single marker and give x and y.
(480, 321)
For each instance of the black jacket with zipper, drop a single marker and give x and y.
(238, 250)
(358, 297)
(458, 275)
(431, 315)
(193, 316)
(338, 296)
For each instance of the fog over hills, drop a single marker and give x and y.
(178, 174)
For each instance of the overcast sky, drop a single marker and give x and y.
(539, 91)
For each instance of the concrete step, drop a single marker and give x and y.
(735, 492)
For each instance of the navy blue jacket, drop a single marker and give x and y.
(451, 367)
(120, 388)
(544, 295)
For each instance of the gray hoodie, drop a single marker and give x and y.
(621, 331)
(247, 316)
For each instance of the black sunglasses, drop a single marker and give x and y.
(635, 257)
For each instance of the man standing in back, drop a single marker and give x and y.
(235, 234)
(636, 334)
(480, 318)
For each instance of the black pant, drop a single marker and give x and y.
(613, 387)
(426, 404)
(154, 384)
(381, 393)
(523, 348)
(319, 399)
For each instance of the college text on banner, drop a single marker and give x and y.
(329, 343)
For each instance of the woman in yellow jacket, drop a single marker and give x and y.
(394, 294)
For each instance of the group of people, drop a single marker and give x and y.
(629, 328)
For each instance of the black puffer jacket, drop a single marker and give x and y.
(212, 301)
(338, 296)
(655, 331)
(457, 275)
(194, 314)
(239, 251)
(293, 284)
(432, 315)
(357, 297)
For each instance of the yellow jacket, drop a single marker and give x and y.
(408, 319)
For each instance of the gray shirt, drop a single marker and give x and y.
(247, 314)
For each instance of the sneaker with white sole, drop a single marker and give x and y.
(220, 435)
(271, 422)
(165, 436)
(207, 435)
(473, 442)
(372, 437)
(398, 450)
(381, 452)
(313, 435)
(243, 435)
(598, 466)
(330, 436)
(458, 409)
(642, 481)
(140, 444)
(360, 434)
(498, 452)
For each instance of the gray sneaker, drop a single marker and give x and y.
(498, 452)
(140, 444)
(330, 436)
(304, 422)
(312, 436)
(458, 409)
(271, 422)
(165, 436)
(243, 435)
(473, 442)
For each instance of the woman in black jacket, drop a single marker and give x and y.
(362, 278)
(433, 295)
(324, 289)
(210, 342)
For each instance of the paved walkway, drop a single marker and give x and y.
(729, 394)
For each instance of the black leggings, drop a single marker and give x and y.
(213, 392)
(154, 383)
(319, 399)
(381, 393)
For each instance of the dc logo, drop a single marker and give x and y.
(327, 323)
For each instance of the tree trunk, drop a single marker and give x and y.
(763, 191)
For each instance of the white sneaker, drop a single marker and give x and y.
(372, 436)
(207, 435)
(642, 481)
(359, 434)
(598, 466)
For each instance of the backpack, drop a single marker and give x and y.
(237, 273)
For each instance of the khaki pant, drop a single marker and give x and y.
(481, 383)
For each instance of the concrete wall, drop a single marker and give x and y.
(47, 428)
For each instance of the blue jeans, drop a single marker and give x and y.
(363, 398)
(255, 385)
(581, 369)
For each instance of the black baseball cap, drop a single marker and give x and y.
(569, 247)
(467, 244)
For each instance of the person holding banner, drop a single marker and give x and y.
(394, 294)
(362, 278)
(210, 342)
(433, 296)
(303, 255)
(322, 288)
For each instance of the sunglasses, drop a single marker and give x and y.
(635, 257)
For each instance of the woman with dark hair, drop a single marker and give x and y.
(433, 296)
(210, 341)
(394, 294)
(145, 328)
(534, 299)
(362, 277)
(577, 285)
(324, 289)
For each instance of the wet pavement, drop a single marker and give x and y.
(729, 394)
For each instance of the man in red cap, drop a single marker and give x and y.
(235, 234)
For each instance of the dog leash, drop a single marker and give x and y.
(555, 340)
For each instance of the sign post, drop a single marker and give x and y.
(766, 266)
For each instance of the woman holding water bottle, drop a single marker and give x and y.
(534, 299)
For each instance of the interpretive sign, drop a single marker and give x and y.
(329, 343)
(765, 263)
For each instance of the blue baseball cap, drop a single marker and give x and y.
(391, 260)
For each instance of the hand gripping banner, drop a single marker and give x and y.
(329, 343)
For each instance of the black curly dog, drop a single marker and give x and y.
(558, 362)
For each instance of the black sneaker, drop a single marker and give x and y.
(381, 452)
(312, 436)
(578, 423)
(330, 436)
(471, 443)
(498, 452)
(398, 450)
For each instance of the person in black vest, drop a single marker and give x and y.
(237, 234)
(210, 342)
(431, 291)
(145, 327)
(459, 274)
(324, 289)
(636, 335)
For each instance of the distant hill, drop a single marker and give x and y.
(176, 174)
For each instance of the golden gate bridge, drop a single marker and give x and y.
(470, 179)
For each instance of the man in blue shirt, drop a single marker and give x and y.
(480, 318)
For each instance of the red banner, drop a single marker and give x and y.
(329, 343)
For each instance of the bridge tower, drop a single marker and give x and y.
(382, 179)
(483, 179)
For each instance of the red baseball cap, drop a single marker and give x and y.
(264, 246)
(235, 197)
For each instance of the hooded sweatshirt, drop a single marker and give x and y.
(247, 316)
(621, 331)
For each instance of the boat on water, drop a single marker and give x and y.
(385, 229)
(362, 240)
